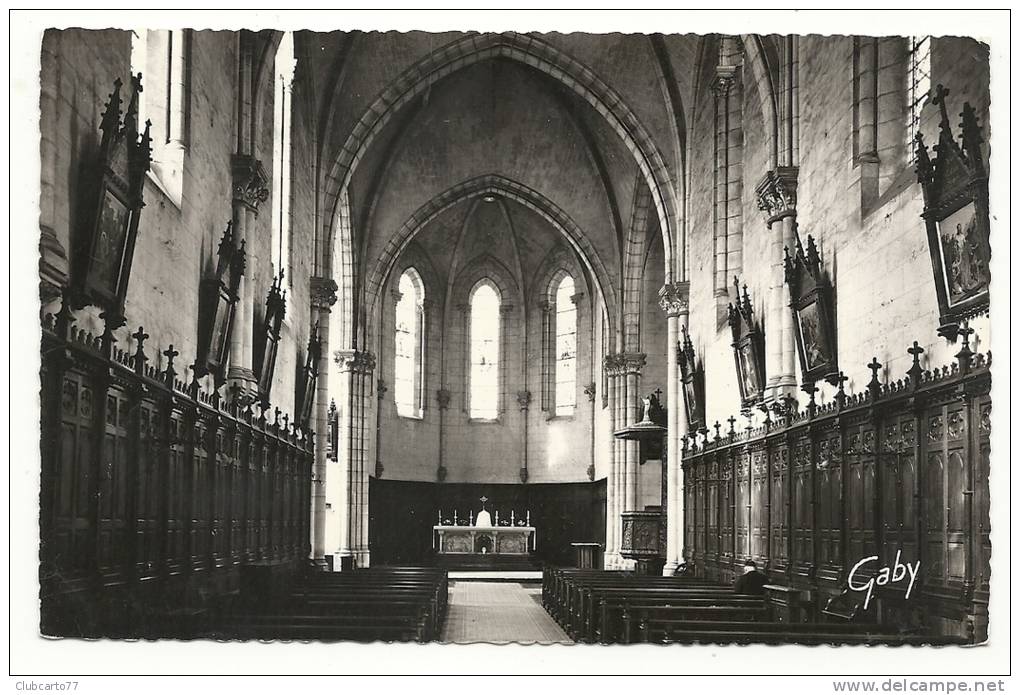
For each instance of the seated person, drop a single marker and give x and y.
(751, 581)
(483, 519)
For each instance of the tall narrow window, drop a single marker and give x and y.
(484, 345)
(161, 57)
(566, 347)
(918, 85)
(281, 157)
(409, 342)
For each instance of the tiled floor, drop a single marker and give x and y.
(499, 612)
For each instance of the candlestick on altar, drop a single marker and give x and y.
(511, 517)
(471, 517)
(455, 517)
(440, 517)
(497, 517)
(528, 521)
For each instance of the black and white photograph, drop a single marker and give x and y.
(632, 344)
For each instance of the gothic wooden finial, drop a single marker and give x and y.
(717, 427)
(965, 355)
(841, 379)
(914, 372)
(140, 337)
(810, 389)
(732, 420)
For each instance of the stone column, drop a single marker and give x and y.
(674, 300)
(777, 199)
(612, 552)
(250, 189)
(53, 264)
(633, 362)
(357, 369)
(523, 402)
(323, 291)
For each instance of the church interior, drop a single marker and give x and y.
(338, 325)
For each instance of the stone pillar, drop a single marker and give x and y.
(777, 199)
(523, 402)
(612, 552)
(356, 389)
(250, 189)
(633, 362)
(54, 269)
(323, 291)
(674, 300)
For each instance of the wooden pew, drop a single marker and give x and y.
(391, 604)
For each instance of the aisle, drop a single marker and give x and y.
(499, 612)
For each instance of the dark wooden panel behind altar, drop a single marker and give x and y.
(154, 494)
(402, 514)
(901, 468)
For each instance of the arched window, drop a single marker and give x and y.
(281, 157)
(918, 85)
(162, 58)
(409, 345)
(484, 305)
(566, 347)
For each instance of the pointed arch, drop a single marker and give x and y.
(757, 58)
(496, 185)
(541, 56)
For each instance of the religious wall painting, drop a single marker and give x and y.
(748, 348)
(108, 247)
(964, 259)
(955, 187)
(112, 183)
(218, 296)
(309, 378)
(813, 310)
(269, 338)
(692, 375)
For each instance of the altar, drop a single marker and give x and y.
(499, 540)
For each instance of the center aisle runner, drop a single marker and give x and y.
(498, 613)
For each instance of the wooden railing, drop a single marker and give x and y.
(153, 490)
(901, 468)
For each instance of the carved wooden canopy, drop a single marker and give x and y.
(112, 186)
(218, 297)
(955, 187)
(309, 377)
(748, 348)
(692, 374)
(813, 312)
(269, 338)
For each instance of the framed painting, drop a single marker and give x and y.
(813, 312)
(955, 187)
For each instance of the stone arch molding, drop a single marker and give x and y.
(507, 188)
(541, 56)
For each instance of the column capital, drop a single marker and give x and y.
(612, 363)
(674, 298)
(355, 361)
(725, 76)
(632, 362)
(589, 391)
(524, 399)
(777, 193)
(250, 181)
(443, 397)
(322, 291)
(575, 298)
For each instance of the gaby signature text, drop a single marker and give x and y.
(861, 579)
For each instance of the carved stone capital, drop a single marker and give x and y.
(524, 399)
(589, 391)
(250, 181)
(632, 362)
(323, 292)
(443, 397)
(777, 193)
(612, 363)
(725, 77)
(674, 298)
(355, 361)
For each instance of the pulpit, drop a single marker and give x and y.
(644, 532)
